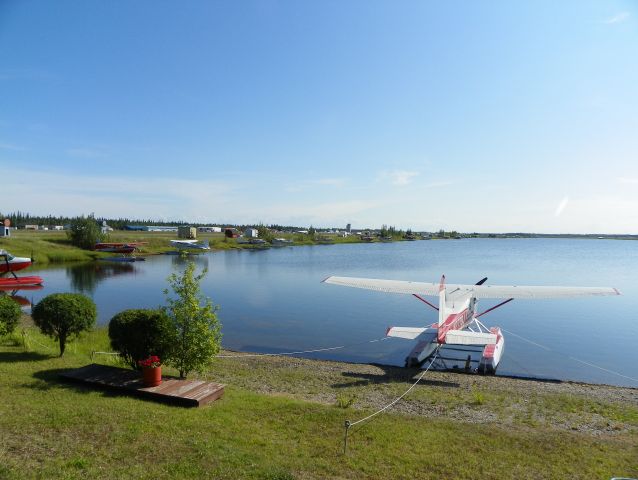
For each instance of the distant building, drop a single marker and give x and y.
(30, 227)
(161, 228)
(209, 229)
(348, 228)
(150, 228)
(251, 233)
(186, 232)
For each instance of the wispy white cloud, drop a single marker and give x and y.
(398, 178)
(561, 206)
(246, 199)
(160, 197)
(618, 18)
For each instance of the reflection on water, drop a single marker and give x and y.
(86, 276)
(19, 299)
(19, 295)
(200, 260)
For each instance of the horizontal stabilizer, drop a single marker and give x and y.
(463, 337)
(405, 332)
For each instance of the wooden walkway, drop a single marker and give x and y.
(188, 393)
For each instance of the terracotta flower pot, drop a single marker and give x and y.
(151, 376)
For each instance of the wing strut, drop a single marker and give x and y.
(425, 301)
(494, 307)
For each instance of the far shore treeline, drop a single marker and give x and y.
(21, 218)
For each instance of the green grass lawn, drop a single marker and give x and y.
(50, 429)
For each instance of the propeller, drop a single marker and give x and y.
(481, 281)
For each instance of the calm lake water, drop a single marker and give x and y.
(273, 301)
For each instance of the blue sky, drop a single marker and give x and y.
(474, 116)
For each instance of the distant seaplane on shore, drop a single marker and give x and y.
(190, 244)
(458, 322)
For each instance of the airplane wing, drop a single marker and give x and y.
(497, 291)
(388, 286)
(478, 291)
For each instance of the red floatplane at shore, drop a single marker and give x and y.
(114, 247)
(9, 264)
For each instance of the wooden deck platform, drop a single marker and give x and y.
(188, 393)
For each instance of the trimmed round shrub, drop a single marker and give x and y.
(10, 313)
(64, 316)
(137, 334)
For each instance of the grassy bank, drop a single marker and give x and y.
(54, 247)
(280, 419)
(46, 247)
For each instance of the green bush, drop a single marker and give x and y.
(137, 334)
(85, 232)
(9, 315)
(64, 315)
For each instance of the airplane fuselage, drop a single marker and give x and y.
(9, 263)
(456, 315)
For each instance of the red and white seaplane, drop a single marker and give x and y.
(11, 264)
(458, 321)
(113, 247)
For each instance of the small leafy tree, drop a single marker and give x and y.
(197, 329)
(63, 316)
(264, 232)
(85, 232)
(138, 334)
(9, 315)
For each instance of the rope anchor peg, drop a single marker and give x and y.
(345, 437)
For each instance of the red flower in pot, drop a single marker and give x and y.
(151, 371)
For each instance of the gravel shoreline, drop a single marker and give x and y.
(360, 388)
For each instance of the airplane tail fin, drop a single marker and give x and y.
(442, 300)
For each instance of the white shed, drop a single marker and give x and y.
(251, 233)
